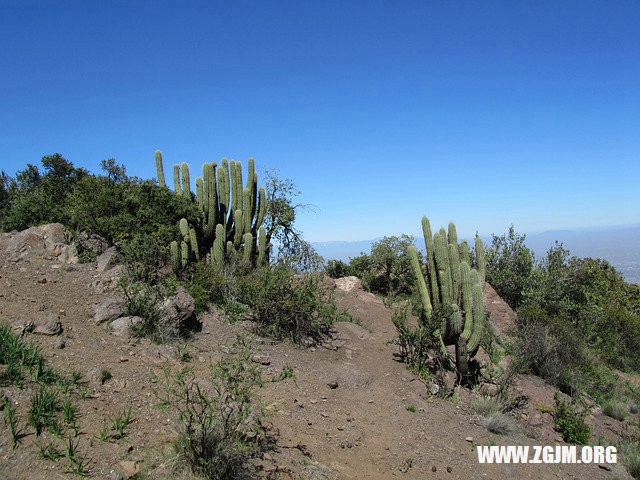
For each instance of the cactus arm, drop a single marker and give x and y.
(480, 259)
(431, 261)
(422, 285)
(176, 261)
(186, 180)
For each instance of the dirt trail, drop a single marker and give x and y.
(344, 417)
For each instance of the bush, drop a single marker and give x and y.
(219, 425)
(288, 305)
(615, 409)
(486, 405)
(498, 423)
(338, 269)
(570, 423)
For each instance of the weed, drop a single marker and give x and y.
(42, 414)
(120, 422)
(486, 405)
(630, 457)
(79, 464)
(412, 408)
(498, 423)
(103, 434)
(287, 372)
(50, 452)
(615, 409)
(105, 376)
(183, 352)
(69, 410)
(12, 422)
(219, 426)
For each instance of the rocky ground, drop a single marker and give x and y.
(348, 414)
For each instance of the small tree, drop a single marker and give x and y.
(509, 266)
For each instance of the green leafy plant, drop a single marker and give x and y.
(50, 452)
(120, 422)
(105, 376)
(570, 423)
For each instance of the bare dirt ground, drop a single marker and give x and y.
(344, 417)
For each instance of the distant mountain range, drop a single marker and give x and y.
(620, 245)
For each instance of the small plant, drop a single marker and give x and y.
(630, 458)
(486, 405)
(412, 408)
(50, 452)
(120, 422)
(287, 372)
(498, 423)
(42, 414)
(183, 352)
(79, 464)
(69, 410)
(570, 423)
(103, 434)
(11, 421)
(219, 425)
(615, 409)
(105, 376)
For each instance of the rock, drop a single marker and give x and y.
(48, 240)
(261, 359)
(107, 310)
(333, 385)
(178, 309)
(48, 325)
(106, 259)
(129, 468)
(469, 439)
(60, 344)
(434, 388)
(348, 284)
(124, 325)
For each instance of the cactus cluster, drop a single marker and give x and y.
(451, 294)
(231, 218)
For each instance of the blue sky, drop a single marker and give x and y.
(485, 113)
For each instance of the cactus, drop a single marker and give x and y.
(176, 261)
(458, 289)
(224, 202)
(160, 168)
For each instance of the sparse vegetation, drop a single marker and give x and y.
(615, 409)
(219, 427)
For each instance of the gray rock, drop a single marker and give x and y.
(107, 310)
(44, 241)
(178, 309)
(348, 284)
(48, 325)
(124, 325)
(261, 359)
(106, 260)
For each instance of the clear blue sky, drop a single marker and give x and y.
(485, 113)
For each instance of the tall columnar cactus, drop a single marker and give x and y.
(230, 213)
(160, 169)
(451, 295)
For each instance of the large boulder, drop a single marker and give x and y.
(178, 310)
(348, 284)
(48, 241)
(106, 259)
(108, 310)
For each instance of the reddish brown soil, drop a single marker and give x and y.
(359, 430)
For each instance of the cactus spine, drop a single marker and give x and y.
(457, 289)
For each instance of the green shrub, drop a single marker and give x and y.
(338, 269)
(288, 305)
(486, 405)
(615, 409)
(219, 421)
(570, 423)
